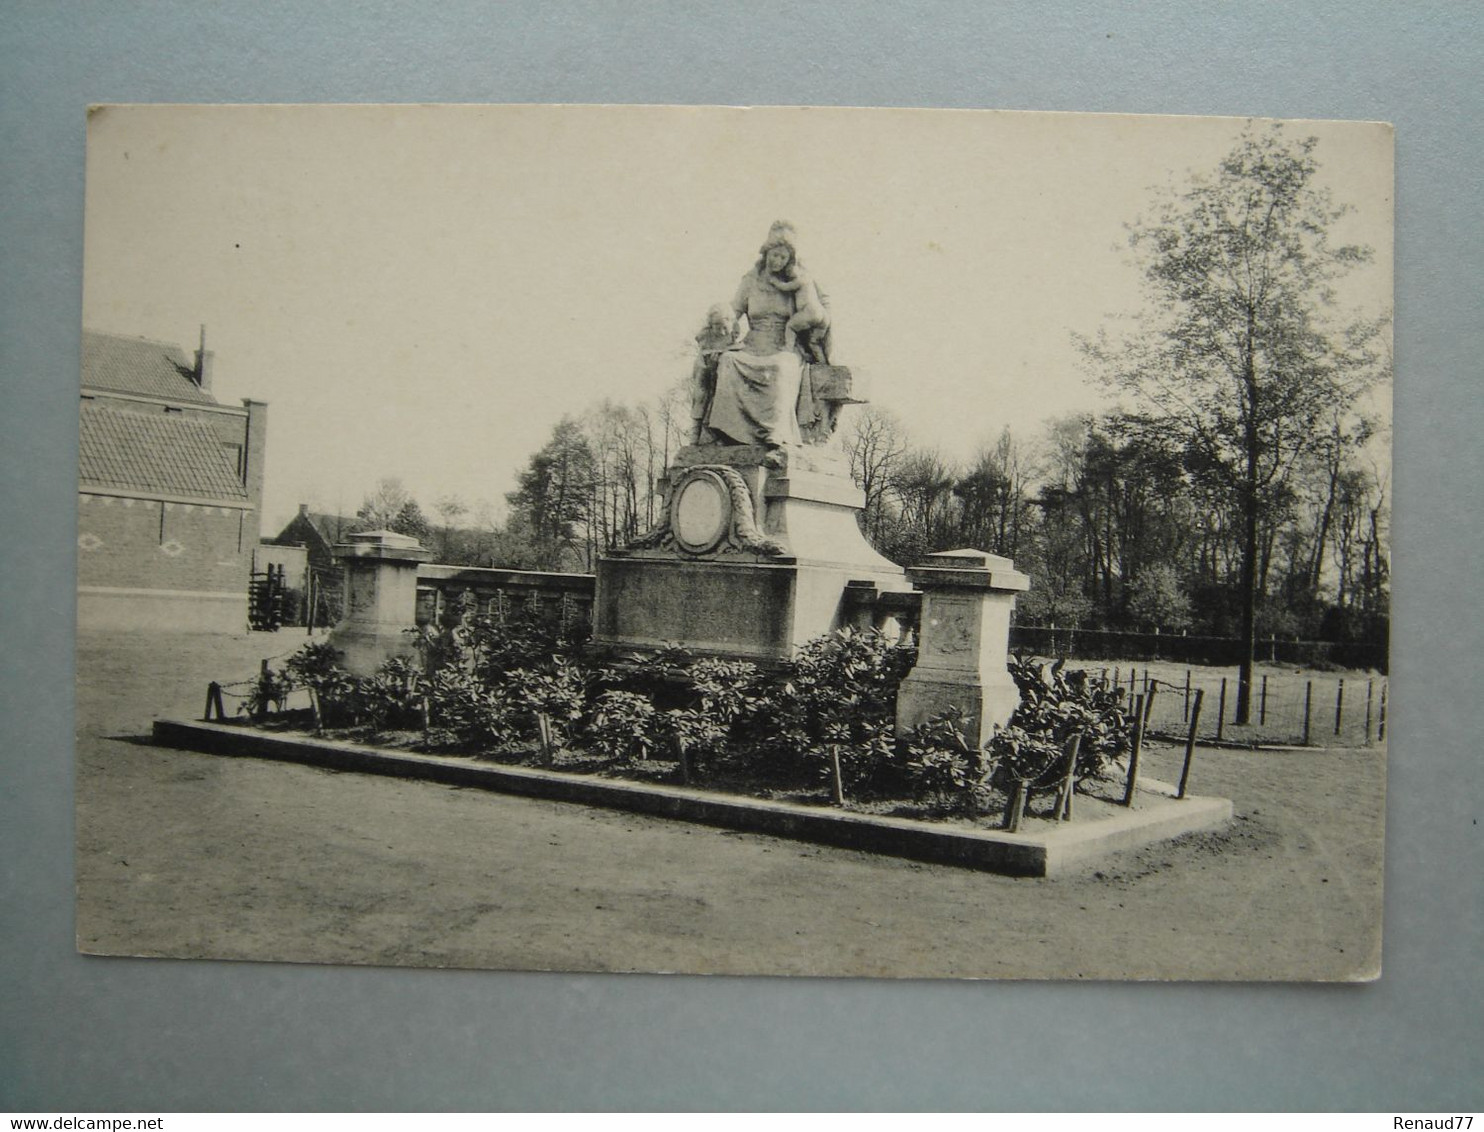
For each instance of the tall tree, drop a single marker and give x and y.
(410, 520)
(553, 503)
(1242, 356)
(380, 509)
(874, 444)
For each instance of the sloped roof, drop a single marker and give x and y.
(154, 452)
(139, 366)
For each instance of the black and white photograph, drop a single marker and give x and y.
(798, 541)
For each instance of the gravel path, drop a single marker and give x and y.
(191, 855)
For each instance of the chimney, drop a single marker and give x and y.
(204, 359)
(303, 510)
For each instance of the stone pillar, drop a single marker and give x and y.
(963, 642)
(380, 598)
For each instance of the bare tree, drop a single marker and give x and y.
(874, 444)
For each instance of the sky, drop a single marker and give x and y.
(422, 292)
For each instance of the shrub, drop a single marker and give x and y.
(661, 676)
(392, 696)
(332, 690)
(727, 692)
(941, 766)
(464, 709)
(1056, 704)
(838, 697)
(623, 725)
(268, 691)
(557, 690)
(493, 647)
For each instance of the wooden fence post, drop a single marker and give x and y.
(837, 781)
(1262, 708)
(1339, 704)
(547, 738)
(1133, 756)
(1370, 692)
(1185, 713)
(1221, 712)
(1381, 719)
(1308, 708)
(1069, 786)
(1015, 808)
(1195, 722)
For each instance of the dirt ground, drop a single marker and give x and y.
(193, 855)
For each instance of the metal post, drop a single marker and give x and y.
(1221, 712)
(1339, 705)
(1308, 708)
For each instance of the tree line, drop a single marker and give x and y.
(1235, 492)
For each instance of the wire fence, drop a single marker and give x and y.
(1107, 645)
(1286, 708)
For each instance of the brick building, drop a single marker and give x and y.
(170, 490)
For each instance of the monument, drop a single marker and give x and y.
(380, 572)
(758, 548)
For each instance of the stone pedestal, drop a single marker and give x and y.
(380, 598)
(963, 642)
(747, 561)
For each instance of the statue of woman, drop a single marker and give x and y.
(757, 384)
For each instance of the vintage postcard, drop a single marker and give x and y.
(779, 541)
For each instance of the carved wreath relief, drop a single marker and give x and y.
(710, 511)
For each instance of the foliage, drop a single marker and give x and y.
(1240, 359)
(838, 697)
(696, 730)
(1156, 600)
(727, 692)
(380, 509)
(410, 520)
(268, 691)
(623, 725)
(942, 766)
(316, 666)
(466, 710)
(392, 696)
(661, 675)
(557, 690)
(1056, 704)
(554, 496)
(492, 645)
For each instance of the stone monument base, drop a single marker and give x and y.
(749, 561)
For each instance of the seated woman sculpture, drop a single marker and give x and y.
(757, 383)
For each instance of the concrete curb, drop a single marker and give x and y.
(1039, 853)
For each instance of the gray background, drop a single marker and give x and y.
(111, 1034)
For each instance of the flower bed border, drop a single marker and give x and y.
(1039, 853)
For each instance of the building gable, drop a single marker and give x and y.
(140, 368)
(157, 453)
